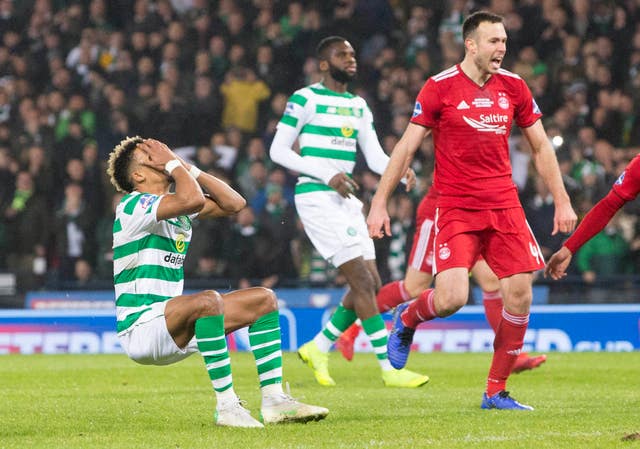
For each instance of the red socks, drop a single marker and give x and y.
(506, 347)
(420, 310)
(390, 295)
(492, 302)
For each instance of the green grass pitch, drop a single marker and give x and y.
(582, 400)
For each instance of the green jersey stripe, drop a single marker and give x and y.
(312, 187)
(129, 320)
(346, 111)
(330, 131)
(330, 154)
(330, 93)
(136, 300)
(117, 226)
(131, 204)
(127, 197)
(149, 241)
(149, 272)
(288, 120)
(298, 99)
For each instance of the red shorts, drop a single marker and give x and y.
(502, 236)
(421, 257)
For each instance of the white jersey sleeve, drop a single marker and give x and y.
(375, 156)
(298, 112)
(139, 214)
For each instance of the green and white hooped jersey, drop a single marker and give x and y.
(148, 257)
(329, 125)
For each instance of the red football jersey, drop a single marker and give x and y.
(471, 125)
(628, 183)
(427, 208)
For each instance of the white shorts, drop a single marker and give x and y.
(336, 226)
(150, 342)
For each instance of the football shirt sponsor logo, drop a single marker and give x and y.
(174, 259)
(482, 102)
(493, 123)
(620, 179)
(463, 105)
(343, 142)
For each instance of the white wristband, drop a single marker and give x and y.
(194, 171)
(172, 165)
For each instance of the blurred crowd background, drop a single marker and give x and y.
(211, 79)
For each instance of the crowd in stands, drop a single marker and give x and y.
(211, 79)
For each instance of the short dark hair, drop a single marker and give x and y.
(119, 162)
(472, 22)
(324, 45)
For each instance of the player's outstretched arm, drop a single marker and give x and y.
(378, 219)
(557, 266)
(546, 163)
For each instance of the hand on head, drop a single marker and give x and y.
(157, 154)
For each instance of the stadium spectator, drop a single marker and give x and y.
(247, 250)
(593, 82)
(278, 220)
(73, 232)
(242, 93)
(605, 254)
(167, 117)
(26, 220)
(204, 111)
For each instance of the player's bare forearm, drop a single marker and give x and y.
(546, 163)
(392, 174)
(565, 218)
(401, 156)
(378, 222)
(187, 198)
(222, 199)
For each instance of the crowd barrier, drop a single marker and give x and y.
(52, 330)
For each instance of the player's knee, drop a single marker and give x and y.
(488, 283)
(269, 300)
(364, 285)
(414, 289)
(518, 301)
(210, 303)
(450, 303)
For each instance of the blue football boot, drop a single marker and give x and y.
(502, 401)
(400, 339)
